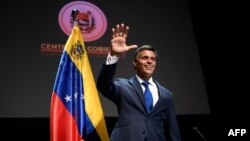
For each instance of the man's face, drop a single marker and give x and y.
(145, 64)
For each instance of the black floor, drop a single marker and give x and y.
(211, 127)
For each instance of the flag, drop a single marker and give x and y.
(76, 112)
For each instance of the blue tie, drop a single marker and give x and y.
(148, 96)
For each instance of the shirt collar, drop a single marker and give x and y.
(141, 80)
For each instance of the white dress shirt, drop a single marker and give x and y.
(111, 59)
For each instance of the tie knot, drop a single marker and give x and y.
(145, 83)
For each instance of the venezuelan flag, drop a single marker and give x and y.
(76, 112)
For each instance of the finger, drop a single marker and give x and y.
(121, 29)
(125, 33)
(113, 33)
(117, 31)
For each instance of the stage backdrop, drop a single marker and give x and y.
(34, 33)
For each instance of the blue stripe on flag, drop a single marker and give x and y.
(69, 87)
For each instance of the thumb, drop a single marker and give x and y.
(131, 47)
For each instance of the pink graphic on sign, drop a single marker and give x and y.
(91, 19)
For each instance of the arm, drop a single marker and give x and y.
(173, 128)
(118, 47)
(105, 82)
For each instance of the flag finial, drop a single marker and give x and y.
(74, 14)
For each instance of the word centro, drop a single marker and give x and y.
(47, 48)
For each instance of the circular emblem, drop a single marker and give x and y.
(91, 19)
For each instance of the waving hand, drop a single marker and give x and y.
(118, 41)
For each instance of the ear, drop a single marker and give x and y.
(134, 63)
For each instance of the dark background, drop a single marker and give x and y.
(29, 75)
(218, 28)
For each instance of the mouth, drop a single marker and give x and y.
(149, 67)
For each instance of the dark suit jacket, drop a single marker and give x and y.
(134, 123)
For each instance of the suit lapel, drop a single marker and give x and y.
(160, 97)
(137, 86)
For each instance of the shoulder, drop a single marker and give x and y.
(124, 82)
(121, 81)
(166, 90)
(163, 89)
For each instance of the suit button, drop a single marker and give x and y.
(144, 132)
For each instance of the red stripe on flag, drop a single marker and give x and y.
(62, 124)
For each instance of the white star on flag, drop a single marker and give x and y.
(75, 95)
(67, 98)
(82, 96)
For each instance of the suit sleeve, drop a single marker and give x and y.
(173, 127)
(105, 82)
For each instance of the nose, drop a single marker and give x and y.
(149, 60)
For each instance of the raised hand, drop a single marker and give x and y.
(118, 41)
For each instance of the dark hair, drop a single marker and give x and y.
(144, 47)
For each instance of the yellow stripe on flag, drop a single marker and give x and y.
(92, 102)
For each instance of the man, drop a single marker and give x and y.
(145, 108)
